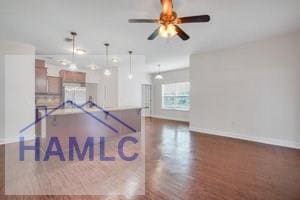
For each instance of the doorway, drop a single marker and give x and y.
(146, 100)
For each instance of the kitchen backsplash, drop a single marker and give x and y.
(47, 100)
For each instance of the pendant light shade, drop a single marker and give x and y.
(130, 75)
(159, 76)
(106, 72)
(73, 66)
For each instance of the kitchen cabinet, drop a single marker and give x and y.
(40, 80)
(72, 77)
(39, 63)
(54, 85)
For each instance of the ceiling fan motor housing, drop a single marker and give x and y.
(166, 19)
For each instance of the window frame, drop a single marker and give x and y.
(176, 107)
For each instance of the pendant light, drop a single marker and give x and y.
(130, 75)
(106, 72)
(73, 66)
(159, 76)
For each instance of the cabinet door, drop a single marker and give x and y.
(78, 77)
(69, 76)
(75, 76)
(54, 85)
(81, 77)
(72, 77)
(39, 63)
(40, 80)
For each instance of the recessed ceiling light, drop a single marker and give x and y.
(115, 60)
(80, 51)
(48, 57)
(64, 62)
(93, 67)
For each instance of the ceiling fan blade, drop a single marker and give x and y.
(181, 33)
(143, 21)
(167, 6)
(154, 34)
(194, 19)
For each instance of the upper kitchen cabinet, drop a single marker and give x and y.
(54, 85)
(40, 77)
(39, 63)
(72, 77)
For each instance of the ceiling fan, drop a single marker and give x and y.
(169, 22)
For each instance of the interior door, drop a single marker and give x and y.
(91, 92)
(146, 100)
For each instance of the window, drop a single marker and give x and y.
(176, 96)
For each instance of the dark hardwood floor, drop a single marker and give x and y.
(186, 165)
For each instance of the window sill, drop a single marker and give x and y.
(174, 109)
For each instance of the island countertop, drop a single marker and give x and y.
(65, 121)
(68, 111)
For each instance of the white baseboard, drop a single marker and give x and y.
(16, 139)
(169, 118)
(277, 142)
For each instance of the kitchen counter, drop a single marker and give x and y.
(74, 122)
(68, 111)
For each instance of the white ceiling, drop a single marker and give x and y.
(46, 23)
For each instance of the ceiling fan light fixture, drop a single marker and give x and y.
(163, 31)
(169, 22)
(171, 30)
(166, 31)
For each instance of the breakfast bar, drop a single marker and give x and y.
(89, 122)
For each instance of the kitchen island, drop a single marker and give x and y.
(82, 123)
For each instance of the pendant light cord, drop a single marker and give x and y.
(106, 45)
(130, 53)
(73, 44)
(158, 68)
(73, 47)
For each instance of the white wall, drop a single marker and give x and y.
(2, 93)
(130, 91)
(17, 63)
(109, 85)
(250, 92)
(181, 75)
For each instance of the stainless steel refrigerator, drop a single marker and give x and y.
(77, 94)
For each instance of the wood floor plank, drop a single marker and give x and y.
(186, 165)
